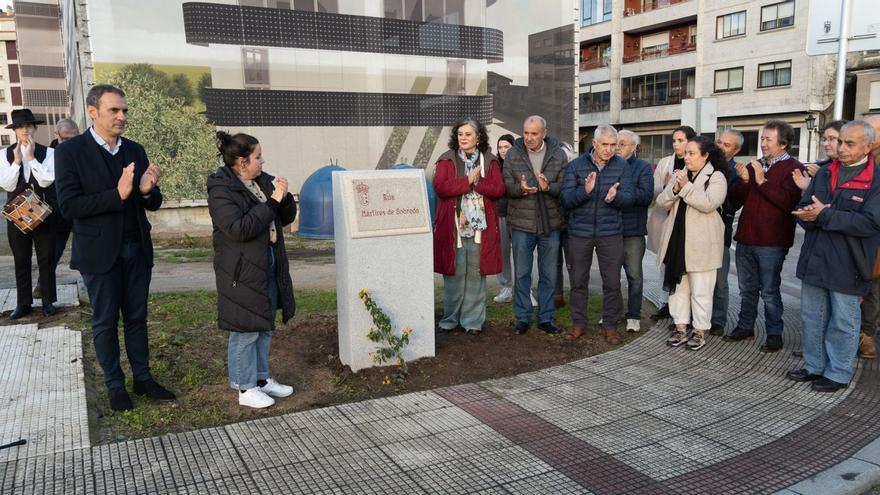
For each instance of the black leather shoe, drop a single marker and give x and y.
(21, 312)
(520, 328)
(738, 334)
(153, 390)
(119, 400)
(825, 385)
(716, 330)
(801, 375)
(661, 313)
(549, 327)
(797, 353)
(773, 344)
(49, 309)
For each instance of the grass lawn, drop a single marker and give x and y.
(188, 355)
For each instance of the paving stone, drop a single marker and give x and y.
(629, 433)
(574, 418)
(445, 419)
(370, 410)
(418, 402)
(386, 485)
(658, 462)
(510, 464)
(326, 418)
(700, 449)
(354, 467)
(322, 443)
(474, 440)
(552, 482)
(234, 485)
(455, 476)
(535, 400)
(850, 476)
(393, 430)
(268, 444)
(418, 452)
(307, 477)
(509, 385)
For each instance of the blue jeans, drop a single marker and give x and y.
(247, 353)
(760, 273)
(633, 253)
(721, 297)
(830, 322)
(524, 245)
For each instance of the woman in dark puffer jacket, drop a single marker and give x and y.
(249, 209)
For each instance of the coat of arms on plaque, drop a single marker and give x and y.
(363, 193)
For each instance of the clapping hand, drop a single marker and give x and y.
(543, 183)
(742, 171)
(612, 193)
(524, 186)
(812, 168)
(126, 182)
(149, 179)
(759, 172)
(474, 176)
(680, 180)
(280, 189)
(801, 178)
(810, 212)
(590, 183)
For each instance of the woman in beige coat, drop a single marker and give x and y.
(662, 175)
(692, 240)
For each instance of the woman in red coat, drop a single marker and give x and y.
(467, 242)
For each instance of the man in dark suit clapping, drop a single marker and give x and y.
(105, 184)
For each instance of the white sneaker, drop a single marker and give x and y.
(276, 389)
(632, 325)
(534, 301)
(505, 296)
(254, 397)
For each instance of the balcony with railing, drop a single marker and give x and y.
(635, 7)
(596, 62)
(654, 52)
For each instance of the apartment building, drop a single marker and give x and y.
(43, 87)
(640, 58)
(10, 84)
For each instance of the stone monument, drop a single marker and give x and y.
(384, 245)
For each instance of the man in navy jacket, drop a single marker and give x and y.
(105, 183)
(840, 213)
(635, 225)
(596, 188)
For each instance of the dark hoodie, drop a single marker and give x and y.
(538, 213)
(241, 245)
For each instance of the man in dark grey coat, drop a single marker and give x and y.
(533, 174)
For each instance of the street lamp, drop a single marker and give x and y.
(811, 124)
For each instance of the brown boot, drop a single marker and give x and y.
(576, 332)
(612, 336)
(867, 347)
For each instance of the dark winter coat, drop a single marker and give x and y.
(450, 183)
(241, 243)
(766, 218)
(588, 214)
(840, 246)
(635, 218)
(539, 212)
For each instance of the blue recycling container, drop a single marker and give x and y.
(316, 204)
(432, 197)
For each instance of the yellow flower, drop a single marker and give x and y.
(363, 293)
(407, 330)
(386, 381)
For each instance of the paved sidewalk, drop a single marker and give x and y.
(643, 419)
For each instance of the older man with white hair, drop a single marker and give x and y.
(840, 213)
(598, 187)
(635, 225)
(533, 173)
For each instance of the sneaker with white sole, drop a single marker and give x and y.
(505, 296)
(276, 389)
(697, 340)
(677, 338)
(632, 325)
(254, 397)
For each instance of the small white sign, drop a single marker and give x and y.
(384, 203)
(823, 28)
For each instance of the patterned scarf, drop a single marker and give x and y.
(472, 217)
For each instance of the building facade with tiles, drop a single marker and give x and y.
(640, 58)
(366, 83)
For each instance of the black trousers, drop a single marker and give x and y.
(124, 288)
(609, 251)
(41, 240)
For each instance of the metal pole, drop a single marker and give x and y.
(841, 59)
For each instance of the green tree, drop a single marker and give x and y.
(177, 138)
(203, 83)
(181, 88)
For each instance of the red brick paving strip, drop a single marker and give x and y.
(816, 446)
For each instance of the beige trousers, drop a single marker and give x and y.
(693, 297)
